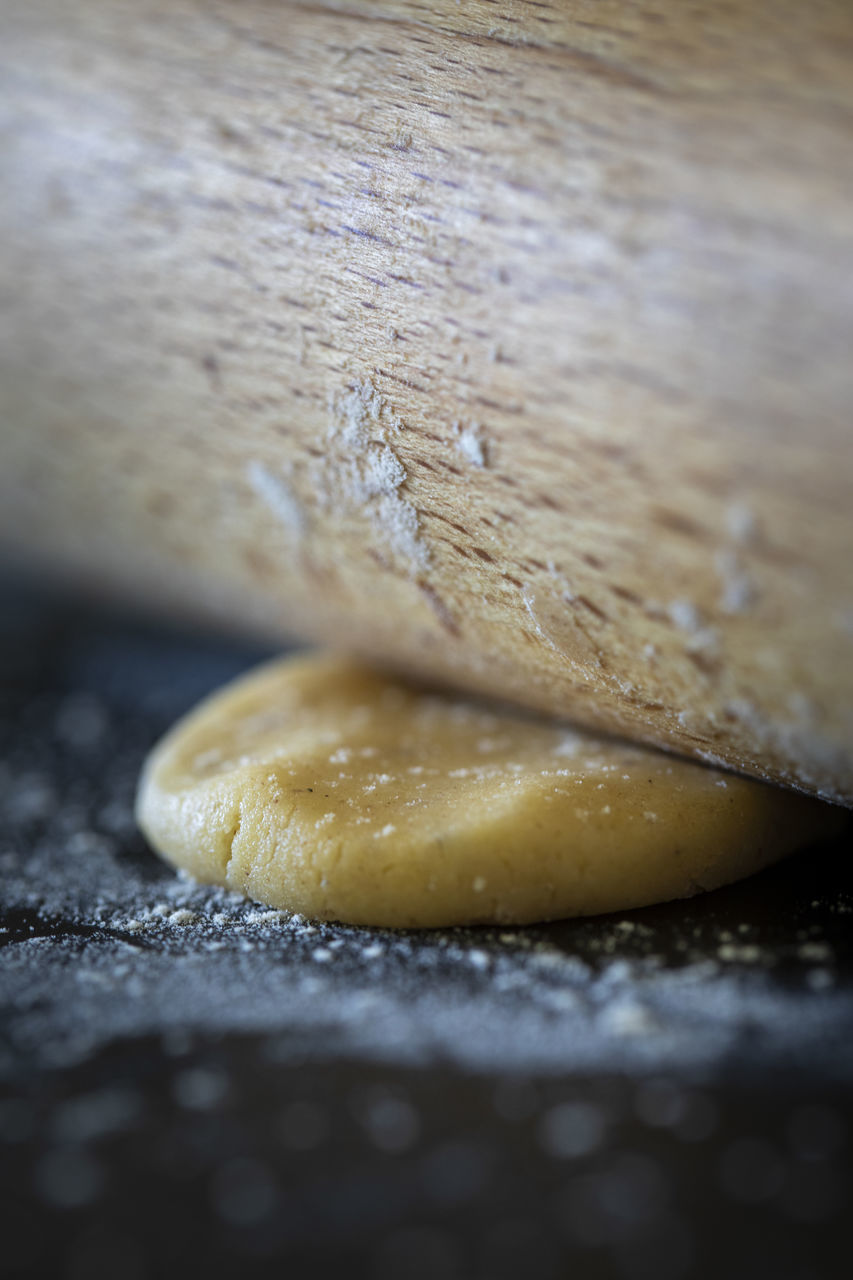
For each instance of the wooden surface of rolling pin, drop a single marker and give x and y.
(506, 342)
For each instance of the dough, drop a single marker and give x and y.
(320, 786)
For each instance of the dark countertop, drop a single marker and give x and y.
(188, 1077)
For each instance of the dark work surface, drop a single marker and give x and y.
(189, 1080)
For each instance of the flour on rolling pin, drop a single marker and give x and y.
(510, 349)
(324, 788)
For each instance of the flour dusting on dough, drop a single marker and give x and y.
(513, 834)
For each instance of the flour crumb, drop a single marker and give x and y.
(738, 590)
(629, 1018)
(275, 492)
(741, 523)
(363, 474)
(743, 953)
(470, 443)
(818, 951)
(267, 917)
(686, 616)
(182, 917)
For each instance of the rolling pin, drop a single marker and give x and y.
(510, 344)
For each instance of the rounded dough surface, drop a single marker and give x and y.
(322, 787)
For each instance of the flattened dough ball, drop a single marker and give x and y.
(319, 786)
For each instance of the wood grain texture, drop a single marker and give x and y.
(506, 342)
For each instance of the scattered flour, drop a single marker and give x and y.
(111, 945)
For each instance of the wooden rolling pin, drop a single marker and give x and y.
(509, 343)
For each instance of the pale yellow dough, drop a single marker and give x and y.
(322, 787)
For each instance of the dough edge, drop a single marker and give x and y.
(245, 830)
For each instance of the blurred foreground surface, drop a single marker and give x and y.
(188, 1077)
